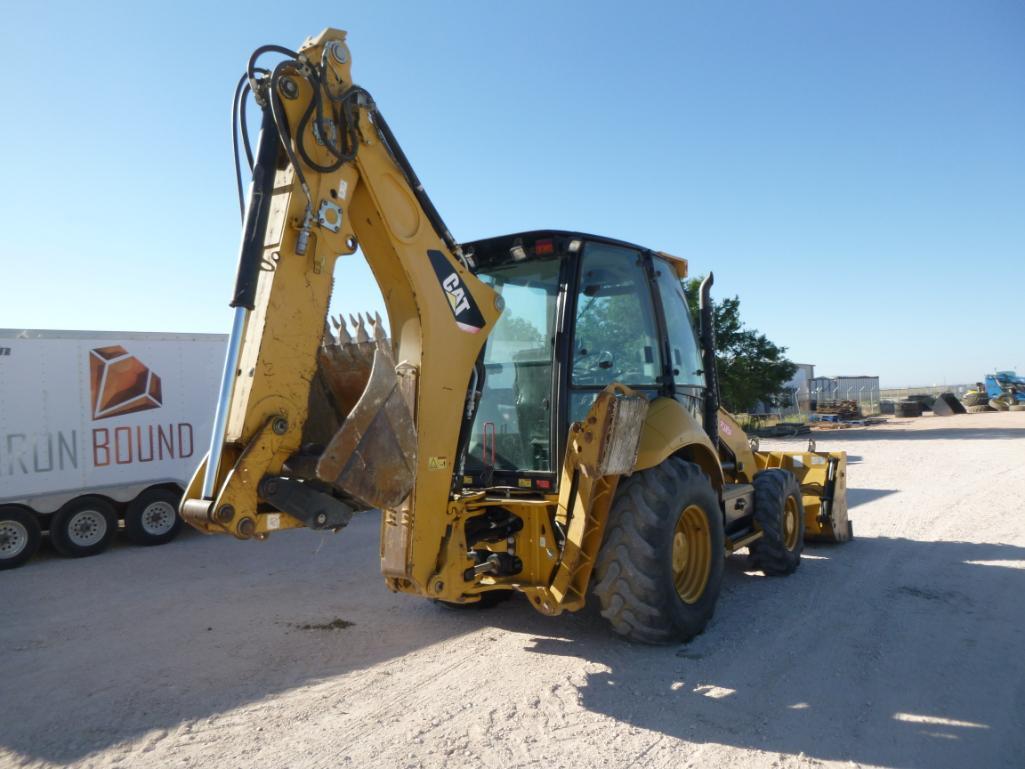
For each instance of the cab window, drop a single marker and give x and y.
(615, 337)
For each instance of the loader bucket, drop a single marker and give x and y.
(823, 479)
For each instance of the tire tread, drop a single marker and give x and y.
(769, 554)
(630, 574)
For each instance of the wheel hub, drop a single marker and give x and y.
(692, 555)
(790, 523)
(86, 528)
(158, 518)
(13, 539)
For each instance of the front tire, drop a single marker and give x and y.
(83, 527)
(660, 568)
(152, 517)
(779, 513)
(19, 536)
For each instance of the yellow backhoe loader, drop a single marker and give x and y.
(542, 419)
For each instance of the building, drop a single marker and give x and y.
(799, 385)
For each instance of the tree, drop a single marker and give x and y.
(751, 368)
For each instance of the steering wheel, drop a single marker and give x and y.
(589, 369)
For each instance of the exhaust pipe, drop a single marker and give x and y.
(708, 360)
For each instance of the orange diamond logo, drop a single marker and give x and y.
(120, 383)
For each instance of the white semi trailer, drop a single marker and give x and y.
(99, 428)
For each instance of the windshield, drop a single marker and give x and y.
(512, 429)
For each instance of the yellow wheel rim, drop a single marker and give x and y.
(790, 523)
(692, 554)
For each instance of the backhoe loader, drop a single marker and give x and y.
(543, 418)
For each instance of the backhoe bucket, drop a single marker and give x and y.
(823, 479)
(372, 455)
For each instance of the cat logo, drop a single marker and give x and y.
(456, 295)
(467, 316)
(437, 463)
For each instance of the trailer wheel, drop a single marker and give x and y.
(84, 526)
(19, 536)
(152, 517)
(1016, 407)
(779, 513)
(660, 568)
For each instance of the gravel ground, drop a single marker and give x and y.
(901, 649)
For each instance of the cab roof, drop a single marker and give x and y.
(554, 243)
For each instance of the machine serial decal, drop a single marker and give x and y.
(464, 309)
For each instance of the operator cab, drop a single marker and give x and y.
(581, 312)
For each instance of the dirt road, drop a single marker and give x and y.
(901, 649)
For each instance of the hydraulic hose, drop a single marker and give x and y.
(256, 213)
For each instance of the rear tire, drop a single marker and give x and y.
(998, 404)
(19, 536)
(660, 568)
(977, 409)
(84, 526)
(779, 513)
(152, 517)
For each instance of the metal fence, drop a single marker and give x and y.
(867, 396)
(899, 393)
(796, 404)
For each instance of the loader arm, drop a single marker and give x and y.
(294, 442)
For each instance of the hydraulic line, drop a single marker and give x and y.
(254, 225)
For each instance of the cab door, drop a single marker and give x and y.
(682, 348)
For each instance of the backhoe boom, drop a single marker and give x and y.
(329, 176)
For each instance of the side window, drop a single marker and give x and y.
(512, 429)
(615, 338)
(683, 344)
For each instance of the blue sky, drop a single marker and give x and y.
(854, 171)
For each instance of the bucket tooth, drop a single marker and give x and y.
(361, 329)
(342, 331)
(381, 340)
(378, 328)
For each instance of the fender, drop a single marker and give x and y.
(670, 429)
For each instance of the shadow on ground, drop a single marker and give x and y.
(790, 665)
(857, 497)
(910, 669)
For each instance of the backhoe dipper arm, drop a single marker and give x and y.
(310, 428)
